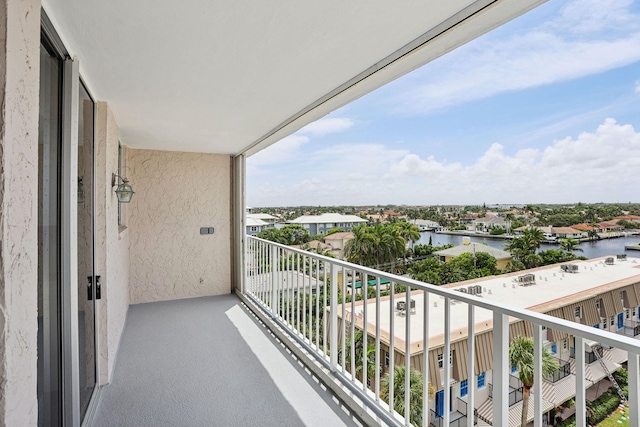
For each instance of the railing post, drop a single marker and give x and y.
(501, 369)
(446, 416)
(634, 389)
(581, 396)
(274, 279)
(333, 319)
(537, 375)
(471, 385)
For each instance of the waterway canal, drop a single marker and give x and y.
(593, 249)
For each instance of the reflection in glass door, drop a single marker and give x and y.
(49, 319)
(86, 283)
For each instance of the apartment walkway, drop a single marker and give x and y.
(208, 362)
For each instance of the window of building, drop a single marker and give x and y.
(578, 312)
(464, 388)
(598, 304)
(481, 378)
(565, 344)
(441, 360)
(386, 358)
(611, 321)
(627, 314)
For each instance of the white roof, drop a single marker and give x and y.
(326, 218)
(254, 222)
(261, 216)
(223, 76)
(551, 285)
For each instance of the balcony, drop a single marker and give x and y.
(265, 356)
(301, 294)
(564, 370)
(515, 390)
(208, 361)
(458, 418)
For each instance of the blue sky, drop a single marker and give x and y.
(545, 109)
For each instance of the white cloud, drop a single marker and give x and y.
(587, 37)
(327, 126)
(288, 148)
(594, 166)
(637, 90)
(281, 152)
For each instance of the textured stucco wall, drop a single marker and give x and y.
(112, 244)
(176, 194)
(19, 77)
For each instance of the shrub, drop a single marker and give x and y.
(604, 405)
(622, 377)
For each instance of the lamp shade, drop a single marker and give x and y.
(124, 192)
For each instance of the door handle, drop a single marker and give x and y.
(98, 288)
(90, 288)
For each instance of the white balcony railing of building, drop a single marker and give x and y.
(309, 297)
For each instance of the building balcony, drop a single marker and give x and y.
(300, 294)
(515, 390)
(209, 361)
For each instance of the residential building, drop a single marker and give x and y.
(255, 226)
(426, 225)
(488, 222)
(171, 99)
(338, 242)
(630, 218)
(320, 224)
(269, 219)
(502, 257)
(601, 293)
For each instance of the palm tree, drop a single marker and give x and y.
(534, 236)
(570, 245)
(409, 232)
(362, 248)
(358, 361)
(415, 392)
(509, 217)
(521, 357)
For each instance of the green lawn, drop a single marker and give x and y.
(615, 420)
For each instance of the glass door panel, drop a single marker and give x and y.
(86, 286)
(49, 337)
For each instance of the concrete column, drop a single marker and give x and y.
(19, 91)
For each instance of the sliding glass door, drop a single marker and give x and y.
(49, 315)
(86, 273)
(67, 368)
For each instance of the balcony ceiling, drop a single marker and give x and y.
(233, 76)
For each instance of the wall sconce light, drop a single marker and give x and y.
(80, 190)
(124, 190)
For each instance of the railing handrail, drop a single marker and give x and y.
(599, 335)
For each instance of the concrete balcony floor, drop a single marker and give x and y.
(208, 362)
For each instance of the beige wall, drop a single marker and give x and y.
(112, 244)
(19, 77)
(176, 194)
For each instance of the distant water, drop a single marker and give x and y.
(595, 249)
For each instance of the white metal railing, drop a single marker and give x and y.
(309, 295)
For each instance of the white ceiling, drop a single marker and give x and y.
(232, 76)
